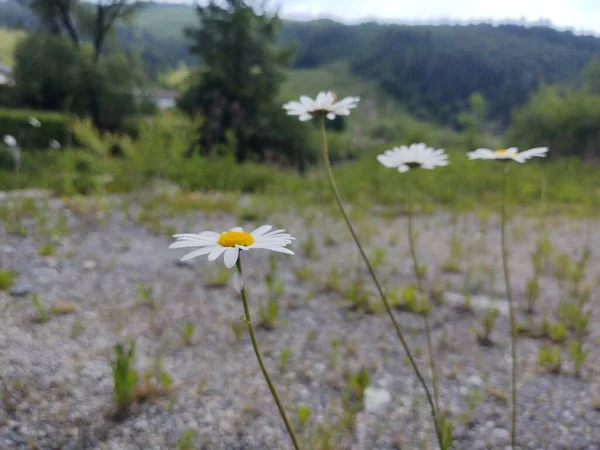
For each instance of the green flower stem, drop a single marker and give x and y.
(413, 254)
(511, 313)
(248, 320)
(399, 333)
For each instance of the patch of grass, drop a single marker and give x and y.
(7, 279)
(125, 377)
(47, 250)
(216, 277)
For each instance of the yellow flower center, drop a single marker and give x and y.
(502, 151)
(233, 238)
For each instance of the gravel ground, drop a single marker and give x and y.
(114, 279)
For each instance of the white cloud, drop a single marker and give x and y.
(576, 14)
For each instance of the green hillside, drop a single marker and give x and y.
(165, 20)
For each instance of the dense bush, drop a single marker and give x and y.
(565, 120)
(16, 123)
(52, 74)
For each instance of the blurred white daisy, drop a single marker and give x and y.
(34, 122)
(511, 153)
(10, 141)
(324, 104)
(231, 242)
(417, 156)
(55, 144)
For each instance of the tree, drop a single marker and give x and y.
(52, 73)
(566, 120)
(56, 15)
(241, 72)
(591, 75)
(96, 20)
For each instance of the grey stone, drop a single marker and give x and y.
(89, 264)
(21, 290)
(375, 399)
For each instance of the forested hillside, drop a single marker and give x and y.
(432, 69)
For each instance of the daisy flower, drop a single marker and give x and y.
(34, 122)
(231, 242)
(54, 144)
(511, 153)
(417, 156)
(10, 141)
(324, 104)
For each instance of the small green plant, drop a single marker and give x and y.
(334, 279)
(217, 277)
(125, 377)
(284, 358)
(451, 266)
(413, 302)
(359, 381)
(304, 273)
(574, 317)
(549, 358)
(238, 327)
(187, 440)
(309, 247)
(268, 315)
(41, 314)
(335, 352)
(533, 293)
(303, 416)
(146, 296)
(47, 250)
(187, 332)
(359, 297)
(7, 279)
(447, 428)
(378, 258)
(484, 331)
(557, 332)
(578, 355)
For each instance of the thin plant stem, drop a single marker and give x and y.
(413, 254)
(248, 320)
(511, 313)
(388, 309)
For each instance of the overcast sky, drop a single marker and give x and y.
(580, 15)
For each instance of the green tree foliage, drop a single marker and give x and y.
(52, 74)
(566, 120)
(591, 75)
(242, 70)
(435, 69)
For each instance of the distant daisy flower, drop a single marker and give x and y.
(55, 144)
(10, 141)
(34, 122)
(417, 156)
(511, 153)
(231, 242)
(324, 104)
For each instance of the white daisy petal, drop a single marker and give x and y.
(218, 251)
(511, 153)
(200, 252)
(261, 230)
(324, 104)
(233, 241)
(190, 243)
(417, 155)
(231, 256)
(10, 140)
